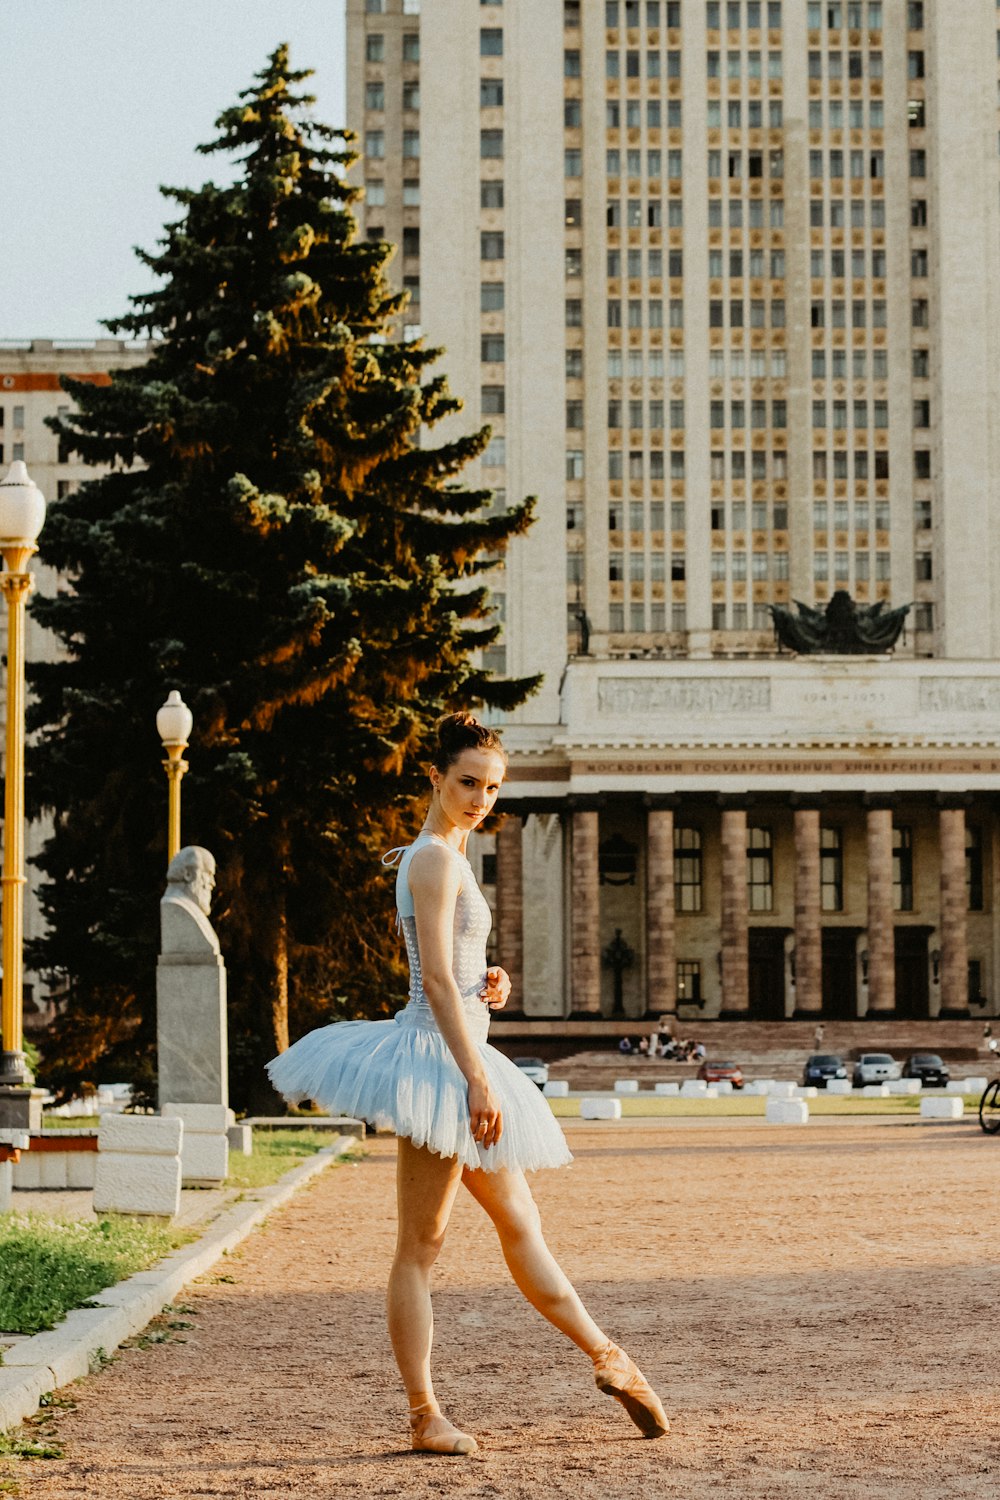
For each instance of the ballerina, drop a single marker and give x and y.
(462, 1112)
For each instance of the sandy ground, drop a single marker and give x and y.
(817, 1307)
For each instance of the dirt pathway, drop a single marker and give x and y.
(813, 1305)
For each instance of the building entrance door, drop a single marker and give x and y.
(767, 973)
(912, 987)
(840, 973)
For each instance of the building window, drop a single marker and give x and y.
(902, 868)
(492, 401)
(375, 144)
(491, 245)
(490, 42)
(760, 870)
(687, 869)
(491, 350)
(374, 48)
(495, 453)
(411, 144)
(374, 96)
(688, 982)
(490, 144)
(974, 866)
(491, 194)
(411, 46)
(490, 93)
(831, 869)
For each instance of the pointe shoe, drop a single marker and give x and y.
(430, 1432)
(619, 1376)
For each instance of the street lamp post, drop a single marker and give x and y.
(174, 721)
(22, 512)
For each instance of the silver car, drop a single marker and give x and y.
(875, 1067)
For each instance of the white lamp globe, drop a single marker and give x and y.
(174, 720)
(22, 507)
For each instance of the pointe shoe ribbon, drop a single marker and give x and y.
(617, 1375)
(430, 1432)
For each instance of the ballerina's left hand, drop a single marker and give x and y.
(496, 992)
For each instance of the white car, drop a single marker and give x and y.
(875, 1067)
(533, 1068)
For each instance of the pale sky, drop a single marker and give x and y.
(103, 100)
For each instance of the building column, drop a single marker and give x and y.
(510, 905)
(585, 915)
(661, 956)
(735, 956)
(881, 937)
(808, 932)
(954, 918)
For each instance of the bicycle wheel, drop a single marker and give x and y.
(989, 1108)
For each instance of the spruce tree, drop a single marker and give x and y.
(278, 537)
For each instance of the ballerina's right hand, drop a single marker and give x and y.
(485, 1119)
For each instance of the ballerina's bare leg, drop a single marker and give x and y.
(426, 1185)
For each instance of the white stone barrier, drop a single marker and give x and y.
(56, 1169)
(805, 1091)
(671, 1090)
(757, 1088)
(905, 1086)
(711, 1091)
(694, 1088)
(876, 1091)
(778, 1089)
(556, 1088)
(626, 1086)
(138, 1165)
(17, 1140)
(600, 1109)
(967, 1085)
(782, 1111)
(838, 1086)
(724, 1086)
(944, 1107)
(240, 1138)
(205, 1148)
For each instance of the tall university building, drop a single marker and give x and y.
(723, 278)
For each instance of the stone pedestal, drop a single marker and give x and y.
(735, 953)
(191, 1033)
(881, 938)
(954, 908)
(510, 906)
(205, 1143)
(20, 1108)
(585, 915)
(661, 958)
(808, 932)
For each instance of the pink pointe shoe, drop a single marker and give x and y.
(430, 1432)
(619, 1376)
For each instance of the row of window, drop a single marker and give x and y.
(744, 65)
(641, 465)
(757, 264)
(633, 414)
(762, 566)
(842, 569)
(740, 13)
(639, 621)
(627, 112)
(740, 618)
(838, 514)
(637, 567)
(628, 64)
(375, 145)
(752, 166)
(838, 361)
(750, 213)
(732, 314)
(834, 414)
(688, 881)
(835, 465)
(758, 410)
(375, 95)
(633, 214)
(759, 512)
(632, 161)
(632, 261)
(638, 314)
(837, 113)
(630, 13)
(833, 314)
(762, 465)
(375, 47)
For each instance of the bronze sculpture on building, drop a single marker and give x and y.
(844, 628)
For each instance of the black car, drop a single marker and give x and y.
(929, 1068)
(821, 1067)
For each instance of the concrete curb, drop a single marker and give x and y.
(49, 1360)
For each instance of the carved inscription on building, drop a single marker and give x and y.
(692, 695)
(963, 695)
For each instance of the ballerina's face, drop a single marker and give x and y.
(469, 787)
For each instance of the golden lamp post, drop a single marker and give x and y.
(174, 721)
(22, 512)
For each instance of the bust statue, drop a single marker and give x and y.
(184, 908)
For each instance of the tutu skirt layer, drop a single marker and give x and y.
(403, 1077)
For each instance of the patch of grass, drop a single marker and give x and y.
(70, 1122)
(275, 1152)
(12, 1446)
(52, 1265)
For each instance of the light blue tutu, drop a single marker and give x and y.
(400, 1075)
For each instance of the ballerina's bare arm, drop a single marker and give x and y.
(434, 881)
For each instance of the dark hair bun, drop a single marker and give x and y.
(463, 731)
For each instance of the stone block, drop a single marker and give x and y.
(694, 1088)
(200, 1119)
(27, 1173)
(672, 1090)
(6, 1184)
(724, 1086)
(942, 1107)
(967, 1085)
(778, 1089)
(838, 1086)
(556, 1088)
(904, 1086)
(131, 1183)
(240, 1138)
(806, 1091)
(875, 1091)
(145, 1135)
(191, 1034)
(782, 1111)
(81, 1169)
(204, 1159)
(626, 1086)
(756, 1089)
(600, 1109)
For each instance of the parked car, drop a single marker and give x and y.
(821, 1067)
(875, 1067)
(929, 1068)
(533, 1068)
(721, 1072)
